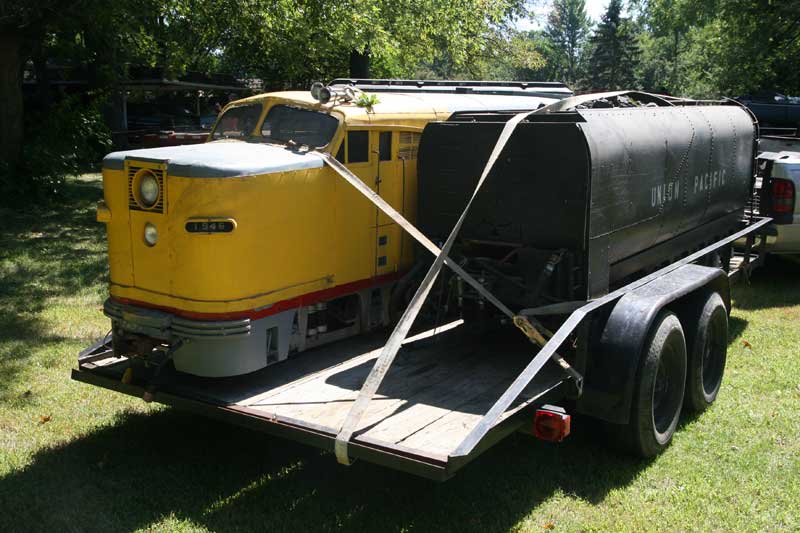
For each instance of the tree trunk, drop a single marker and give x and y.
(11, 105)
(359, 63)
(674, 87)
(42, 78)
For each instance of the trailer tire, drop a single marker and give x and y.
(658, 395)
(707, 342)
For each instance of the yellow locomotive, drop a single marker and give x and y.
(244, 249)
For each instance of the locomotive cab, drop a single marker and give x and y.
(232, 254)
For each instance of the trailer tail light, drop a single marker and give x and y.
(551, 423)
(782, 196)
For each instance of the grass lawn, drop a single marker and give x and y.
(78, 458)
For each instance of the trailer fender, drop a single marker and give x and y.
(613, 364)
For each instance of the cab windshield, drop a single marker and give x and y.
(283, 124)
(238, 122)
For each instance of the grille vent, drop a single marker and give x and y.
(158, 207)
(409, 145)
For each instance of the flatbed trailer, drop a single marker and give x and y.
(431, 398)
(452, 392)
(635, 332)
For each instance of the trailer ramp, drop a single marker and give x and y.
(438, 390)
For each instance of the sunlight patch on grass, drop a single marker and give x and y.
(250, 488)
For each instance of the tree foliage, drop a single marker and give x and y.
(312, 40)
(702, 48)
(709, 48)
(284, 43)
(695, 48)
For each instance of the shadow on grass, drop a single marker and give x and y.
(736, 326)
(224, 478)
(52, 251)
(45, 253)
(777, 284)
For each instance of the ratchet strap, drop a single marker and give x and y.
(534, 335)
(401, 329)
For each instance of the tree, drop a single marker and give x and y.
(506, 54)
(566, 30)
(18, 21)
(10, 93)
(747, 45)
(709, 48)
(285, 43)
(667, 33)
(305, 40)
(614, 52)
(38, 30)
(100, 39)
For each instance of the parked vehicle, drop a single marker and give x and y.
(600, 227)
(172, 138)
(774, 109)
(776, 188)
(778, 143)
(152, 126)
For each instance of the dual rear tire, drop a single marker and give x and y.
(708, 342)
(672, 377)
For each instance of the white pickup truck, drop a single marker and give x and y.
(777, 185)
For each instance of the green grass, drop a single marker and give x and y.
(106, 462)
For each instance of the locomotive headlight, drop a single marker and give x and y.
(150, 234)
(315, 88)
(320, 93)
(148, 190)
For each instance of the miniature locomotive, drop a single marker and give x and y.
(238, 251)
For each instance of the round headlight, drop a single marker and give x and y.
(150, 234)
(315, 88)
(148, 190)
(324, 95)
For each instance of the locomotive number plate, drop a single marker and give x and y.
(211, 226)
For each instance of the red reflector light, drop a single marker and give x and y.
(551, 424)
(782, 196)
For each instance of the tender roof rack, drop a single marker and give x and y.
(521, 88)
(565, 109)
(504, 115)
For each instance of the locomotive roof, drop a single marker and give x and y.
(393, 105)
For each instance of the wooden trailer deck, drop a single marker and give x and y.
(437, 391)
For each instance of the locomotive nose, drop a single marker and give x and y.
(228, 239)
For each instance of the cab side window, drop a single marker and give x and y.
(340, 153)
(385, 146)
(357, 146)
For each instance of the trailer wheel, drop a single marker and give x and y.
(707, 340)
(658, 396)
(403, 292)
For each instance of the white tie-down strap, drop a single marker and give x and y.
(402, 327)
